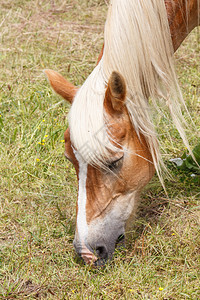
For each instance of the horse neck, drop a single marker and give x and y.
(183, 16)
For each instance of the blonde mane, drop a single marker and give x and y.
(138, 45)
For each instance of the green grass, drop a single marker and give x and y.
(38, 186)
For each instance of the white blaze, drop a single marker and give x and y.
(82, 226)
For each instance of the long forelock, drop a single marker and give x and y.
(88, 123)
(137, 43)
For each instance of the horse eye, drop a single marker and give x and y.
(113, 166)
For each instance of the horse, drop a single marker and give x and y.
(111, 140)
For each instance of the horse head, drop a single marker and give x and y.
(111, 139)
(108, 190)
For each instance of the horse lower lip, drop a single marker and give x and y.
(89, 258)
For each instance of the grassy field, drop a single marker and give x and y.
(38, 186)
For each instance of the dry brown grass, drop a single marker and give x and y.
(37, 202)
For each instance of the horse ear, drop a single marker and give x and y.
(116, 92)
(61, 86)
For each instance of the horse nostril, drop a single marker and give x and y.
(101, 252)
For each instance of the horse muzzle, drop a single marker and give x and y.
(97, 253)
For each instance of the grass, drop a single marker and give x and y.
(38, 187)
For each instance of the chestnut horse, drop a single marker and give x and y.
(111, 139)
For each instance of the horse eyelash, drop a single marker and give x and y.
(112, 166)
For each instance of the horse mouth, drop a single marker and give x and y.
(101, 255)
(88, 256)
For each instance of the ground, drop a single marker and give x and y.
(38, 186)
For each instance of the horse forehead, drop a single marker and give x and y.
(117, 130)
(118, 125)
